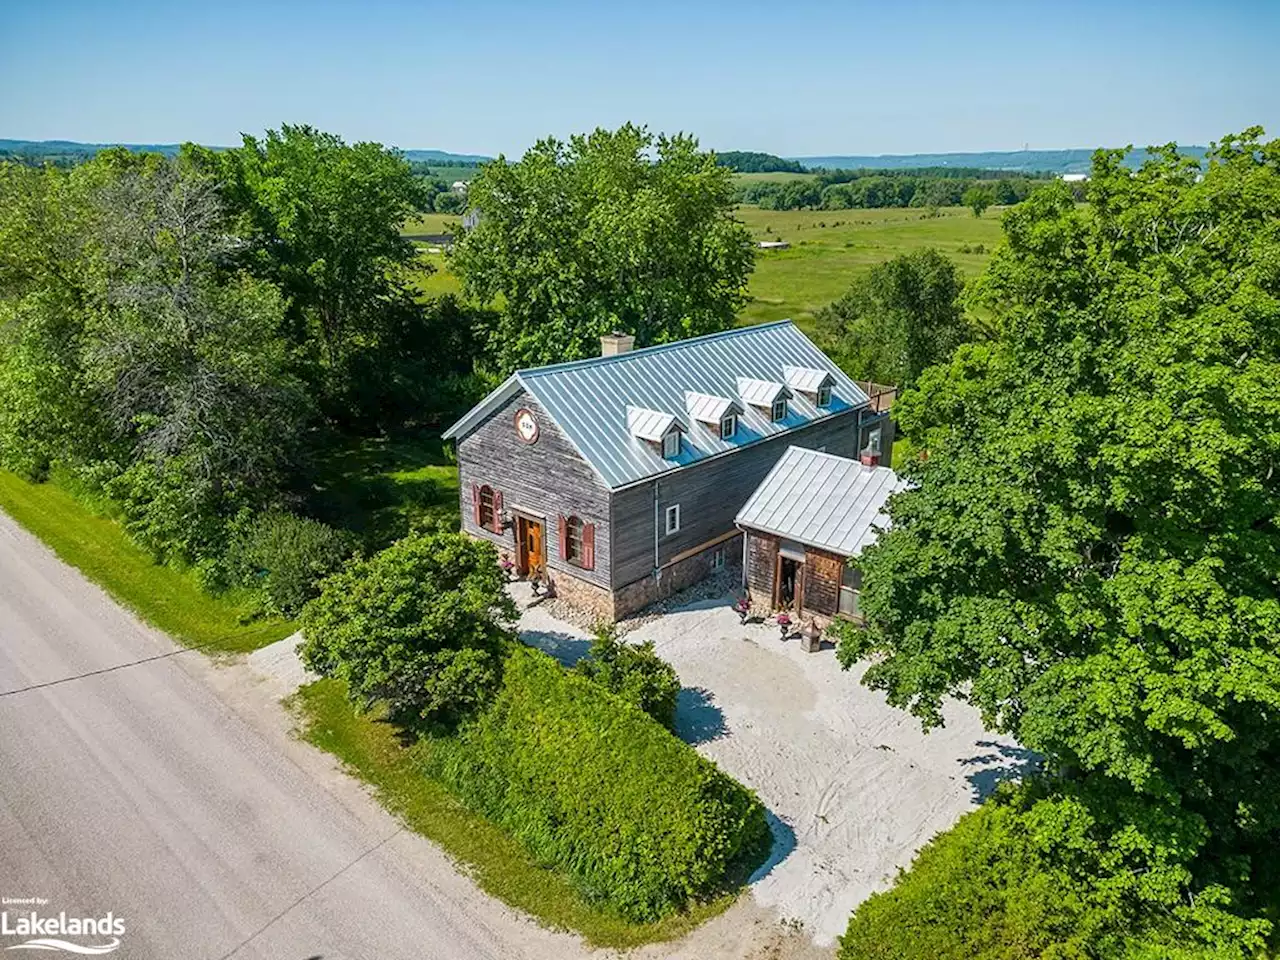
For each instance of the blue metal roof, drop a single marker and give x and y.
(588, 399)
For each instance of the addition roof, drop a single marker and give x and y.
(588, 399)
(822, 500)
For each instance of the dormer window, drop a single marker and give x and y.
(671, 445)
(728, 427)
(824, 396)
(779, 411)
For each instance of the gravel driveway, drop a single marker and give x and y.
(853, 786)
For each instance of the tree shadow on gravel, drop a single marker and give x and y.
(698, 719)
(1005, 763)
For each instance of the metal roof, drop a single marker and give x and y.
(822, 500)
(588, 399)
(649, 424)
(760, 393)
(705, 408)
(805, 379)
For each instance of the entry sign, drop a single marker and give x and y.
(526, 425)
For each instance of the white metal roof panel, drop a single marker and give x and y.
(588, 398)
(822, 501)
(805, 379)
(649, 424)
(705, 408)
(760, 393)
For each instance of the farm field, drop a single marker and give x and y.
(828, 249)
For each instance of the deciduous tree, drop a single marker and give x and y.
(612, 229)
(1090, 553)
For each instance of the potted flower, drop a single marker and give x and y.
(508, 568)
(784, 624)
(742, 607)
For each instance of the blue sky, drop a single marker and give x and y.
(791, 77)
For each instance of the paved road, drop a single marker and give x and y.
(143, 791)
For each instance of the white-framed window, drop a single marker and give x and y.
(573, 540)
(728, 426)
(671, 444)
(850, 590)
(779, 411)
(824, 396)
(717, 558)
(673, 519)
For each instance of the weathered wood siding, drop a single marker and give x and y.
(762, 564)
(822, 581)
(710, 495)
(545, 479)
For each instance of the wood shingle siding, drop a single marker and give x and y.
(546, 480)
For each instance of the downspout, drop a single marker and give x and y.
(744, 558)
(657, 570)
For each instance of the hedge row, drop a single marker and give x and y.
(594, 786)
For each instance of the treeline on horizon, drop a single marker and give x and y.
(865, 189)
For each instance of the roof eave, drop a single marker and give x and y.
(477, 414)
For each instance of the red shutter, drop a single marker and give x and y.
(589, 545)
(475, 502)
(564, 540)
(497, 511)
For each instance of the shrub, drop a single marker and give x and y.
(640, 822)
(635, 673)
(421, 626)
(287, 556)
(1025, 876)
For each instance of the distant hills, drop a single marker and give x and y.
(1015, 161)
(75, 149)
(1019, 161)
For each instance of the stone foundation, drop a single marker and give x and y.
(676, 577)
(588, 597)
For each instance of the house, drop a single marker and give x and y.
(810, 516)
(618, 478)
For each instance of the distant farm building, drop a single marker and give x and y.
(773, 245)
(1075, 177)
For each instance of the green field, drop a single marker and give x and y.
(780, 176)
(828, 249)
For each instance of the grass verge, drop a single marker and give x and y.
(166, 598)
(500, 865)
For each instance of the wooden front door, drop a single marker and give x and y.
(530, 542)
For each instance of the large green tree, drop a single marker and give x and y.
(1091, 553)
(900, 317)
(321, 219)
(612, 229)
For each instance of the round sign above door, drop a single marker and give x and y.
(526, 425)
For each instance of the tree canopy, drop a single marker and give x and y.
(897, 319)
(615, 229)
(1091, 550)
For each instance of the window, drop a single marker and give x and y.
(487, 513)
(779, 409)
(673, 518)
(824, 396)
(728, 427)
(850, 590)
(671, 444)
(578, 542)
(873, 441)
(717, 559)
(573, 539)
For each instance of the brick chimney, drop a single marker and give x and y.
(870, 458)
(612, 344)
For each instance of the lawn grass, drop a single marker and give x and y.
(168, 599)
(378, 487)
(373, 750)
(431, 223)
(777, 176)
